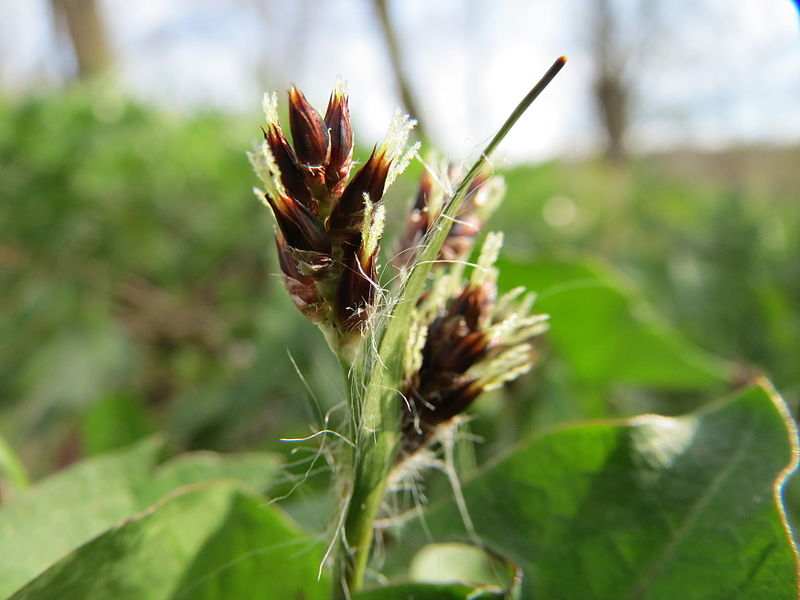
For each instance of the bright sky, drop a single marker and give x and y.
(713, 72)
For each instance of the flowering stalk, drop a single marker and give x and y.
(442, 344)
(380, 419)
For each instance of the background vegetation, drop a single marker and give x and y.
(140, 292)
(144, 315)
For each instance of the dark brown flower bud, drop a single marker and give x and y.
(337, 119)
(356, 292)
(312, 143)
(299, 225)
(370, 180)
(301, 288)
(291, 176)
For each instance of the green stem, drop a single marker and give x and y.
(376, 432)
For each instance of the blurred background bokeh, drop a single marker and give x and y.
(138, 282)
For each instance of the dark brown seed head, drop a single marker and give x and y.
(337, 119)
(474, 303)
(463, 231)
(312, 143)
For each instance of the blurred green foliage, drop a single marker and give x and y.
(136, 263)
(139, 294)
(139, 287)
(712, 239)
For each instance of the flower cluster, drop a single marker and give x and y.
(465, 341)
(329, 224)
(483, 195)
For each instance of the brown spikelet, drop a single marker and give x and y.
(291, 176)
(312, 142)
(370, 179)
(356, 292)
(329, 235)
(442, 388)
(337, 119)
(299, 225)
(463, 232)
(301, 288)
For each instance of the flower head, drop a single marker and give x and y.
(472, 342)
(329, 223)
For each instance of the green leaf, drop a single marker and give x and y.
(655, 507)
(422, 591)
(12, 471)
(607, 333)
(43, 523)
(204, 543)
(450, 563)
(255, 469)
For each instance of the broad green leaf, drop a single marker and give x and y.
(43, 523)
(206, 542)
(654, 507)
(256, 469)
(423, 591)
(607, 333)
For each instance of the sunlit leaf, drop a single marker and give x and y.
(607, 333)
(43, 523)
(449, 563)
(655, 507)
(424, 591)
(207, 542)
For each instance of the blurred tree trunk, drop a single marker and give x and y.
(611, 85)
(82, 24)
(400, 76)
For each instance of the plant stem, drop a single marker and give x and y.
(376, 431)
